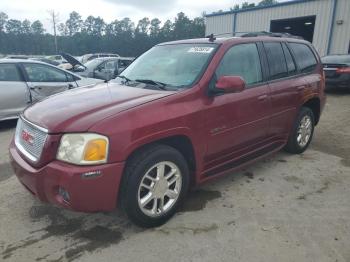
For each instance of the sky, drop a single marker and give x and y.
(110, 10)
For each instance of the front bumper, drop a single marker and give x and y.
(93, 194)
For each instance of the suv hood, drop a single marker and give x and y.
(70, 59)
(78, 109)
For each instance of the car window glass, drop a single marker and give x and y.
(241, 60)
(42, 73)
(70, 78)
(290, 63)
(109, 65)
(124, 63)
(9, 72)
(276, 60)
(304, 57)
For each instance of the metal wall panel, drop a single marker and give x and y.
(340, 43)
(259, 20)
(222, 24)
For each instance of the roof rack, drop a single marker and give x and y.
(264, 33)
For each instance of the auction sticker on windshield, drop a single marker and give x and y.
(201, 49)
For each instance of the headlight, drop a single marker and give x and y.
(83, 149)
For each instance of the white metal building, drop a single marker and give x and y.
(325, 23)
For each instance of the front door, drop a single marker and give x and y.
(238, 120)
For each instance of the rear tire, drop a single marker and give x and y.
(156, 182)
(302, 132)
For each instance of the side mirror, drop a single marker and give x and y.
(230, 84)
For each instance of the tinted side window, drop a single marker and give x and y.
(304, 57)
(9, 72)
(292, 69)
(241, 60)
(42, 73)
(276, 60)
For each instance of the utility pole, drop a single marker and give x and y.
(54, 19)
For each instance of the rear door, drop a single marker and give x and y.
(44, 80)
(285, 84)
(14, 95)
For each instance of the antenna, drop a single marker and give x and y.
(211, 37)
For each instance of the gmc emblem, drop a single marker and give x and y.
(27, 137)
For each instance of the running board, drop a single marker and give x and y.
(242, 160)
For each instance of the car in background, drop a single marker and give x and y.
(24, 82)
(16, 57)
(45, 60)
(57, 58)
(337, 71)
(88, 57)
(105, 68)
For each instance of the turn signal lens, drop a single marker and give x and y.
(95, 150)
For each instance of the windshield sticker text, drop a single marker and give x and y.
(197, 49)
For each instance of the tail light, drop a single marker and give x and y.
(343, 70)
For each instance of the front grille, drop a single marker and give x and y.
(30, 139)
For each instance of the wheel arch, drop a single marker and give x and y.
(314, 104)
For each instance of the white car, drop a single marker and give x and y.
(23, 82)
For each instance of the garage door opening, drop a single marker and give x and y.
(300, 26)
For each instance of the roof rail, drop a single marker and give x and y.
(264, 33)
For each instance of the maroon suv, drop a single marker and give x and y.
(183, 113)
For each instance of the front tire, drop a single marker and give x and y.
(156, 182)
(302, 132)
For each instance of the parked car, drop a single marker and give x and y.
(182, 113)
(105, 68)
(88, 57)
(337, 71)
(24, 82)
(57, 58)
(17, 57)
(45, 60)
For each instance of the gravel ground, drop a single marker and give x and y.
(284, 208)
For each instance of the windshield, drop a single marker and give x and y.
(339, 59)
(92, 64)
(173, 65)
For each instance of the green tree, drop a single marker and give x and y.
(94, 26)
(3, 21)
(14, 26)
(246, 5)
(182, 26)
(26, 27)
(143, 26)
(74, 23)
(267, 2)
(62, 28)
(155, 27)
(37, 28)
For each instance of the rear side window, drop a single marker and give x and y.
(304, 57)
(276, 60)
(241, 60)
(9, 72)
(292, 69)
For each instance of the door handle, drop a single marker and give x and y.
(262, 98)
(300, 88)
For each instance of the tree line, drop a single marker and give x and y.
(79, 36)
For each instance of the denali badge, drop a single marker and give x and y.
(27, 137)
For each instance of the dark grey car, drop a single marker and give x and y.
(23, 82)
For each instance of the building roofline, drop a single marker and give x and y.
(292, 2)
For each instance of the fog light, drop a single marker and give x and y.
(64, 194)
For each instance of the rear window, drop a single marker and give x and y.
(9, 72)
(304, 57)
(276, 60)
(292, 69)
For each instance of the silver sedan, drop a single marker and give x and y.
(23, 82)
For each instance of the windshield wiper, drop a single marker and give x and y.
(160, 85)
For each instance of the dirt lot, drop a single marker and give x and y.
(284, 208)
